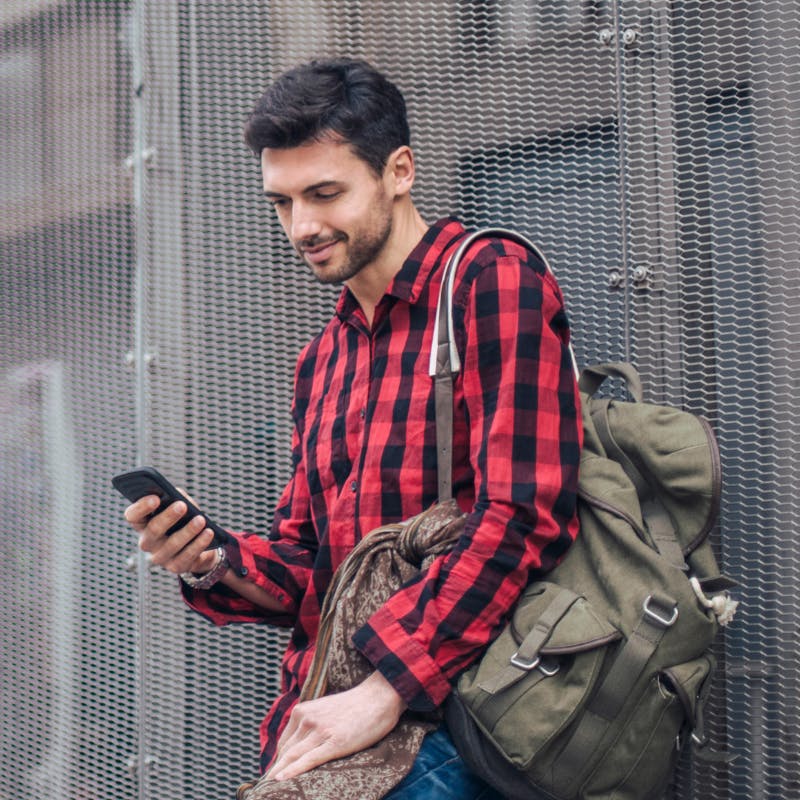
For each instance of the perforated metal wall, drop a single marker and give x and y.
(151, 312)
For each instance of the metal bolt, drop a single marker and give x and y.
(130, 358)
(150, 762)
(614, 278)
(132, 562)
(605, 36)
(640, 274)
(629, 36)
(148, 157)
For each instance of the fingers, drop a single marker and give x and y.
(336, 726)
(303, 746)
(295, 717)
(186, 549)
(137, 513)
(182, 551)
(301, 759)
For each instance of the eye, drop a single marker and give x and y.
(330, 195)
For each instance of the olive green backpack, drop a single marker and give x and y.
(600, 678)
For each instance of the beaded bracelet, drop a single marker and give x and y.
(208, 579)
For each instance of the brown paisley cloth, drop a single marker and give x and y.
(376, 568)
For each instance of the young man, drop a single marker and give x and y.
(333, 142)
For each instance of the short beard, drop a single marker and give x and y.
(359, 254)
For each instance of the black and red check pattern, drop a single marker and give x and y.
(364, 454)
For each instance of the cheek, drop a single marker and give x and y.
(374, 215)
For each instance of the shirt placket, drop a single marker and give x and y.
(355, 418)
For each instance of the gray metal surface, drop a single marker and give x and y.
(150, 311)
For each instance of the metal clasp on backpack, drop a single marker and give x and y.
(548, 670)
(658, 618)
(526, 664)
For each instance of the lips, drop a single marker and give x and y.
(317, 250)
(319, 253)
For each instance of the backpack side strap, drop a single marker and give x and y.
(659, 613)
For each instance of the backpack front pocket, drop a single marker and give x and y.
(549, 659)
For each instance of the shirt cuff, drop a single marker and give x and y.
(222, 605)
(415, 676)
(242, 562)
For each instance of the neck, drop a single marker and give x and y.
(369, 285)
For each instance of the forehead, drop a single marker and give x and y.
(291, 170)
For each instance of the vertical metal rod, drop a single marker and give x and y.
(140, 368)
(192, 175)
(622, 134)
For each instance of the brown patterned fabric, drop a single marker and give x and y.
(384, 560)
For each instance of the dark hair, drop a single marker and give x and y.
(349, 99)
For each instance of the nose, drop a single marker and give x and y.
(305, 223)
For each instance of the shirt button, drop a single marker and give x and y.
(362, 413)
(353, 486)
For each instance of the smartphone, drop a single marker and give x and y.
(146, 480)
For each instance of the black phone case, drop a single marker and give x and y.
(146, 480)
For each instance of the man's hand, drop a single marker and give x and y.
(337, 725)
(184, 550)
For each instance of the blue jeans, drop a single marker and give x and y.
(440, 774)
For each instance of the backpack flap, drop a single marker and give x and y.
(670, 456)
(677, 455)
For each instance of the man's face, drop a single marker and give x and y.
(335, 210)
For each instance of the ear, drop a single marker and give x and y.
(400, 171)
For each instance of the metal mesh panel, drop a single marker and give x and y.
(711, 218)
(67, 629)
(648, 146)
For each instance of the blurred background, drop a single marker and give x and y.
(151, 312)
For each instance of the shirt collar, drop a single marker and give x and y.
(412, 276)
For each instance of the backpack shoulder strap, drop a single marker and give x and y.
(445, 361)
(443, 333)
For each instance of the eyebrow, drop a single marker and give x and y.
(308, 190)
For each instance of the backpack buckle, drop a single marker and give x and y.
(547, 668)
(654, 616)
(525, 663)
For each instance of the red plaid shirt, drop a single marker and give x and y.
(364, 455)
